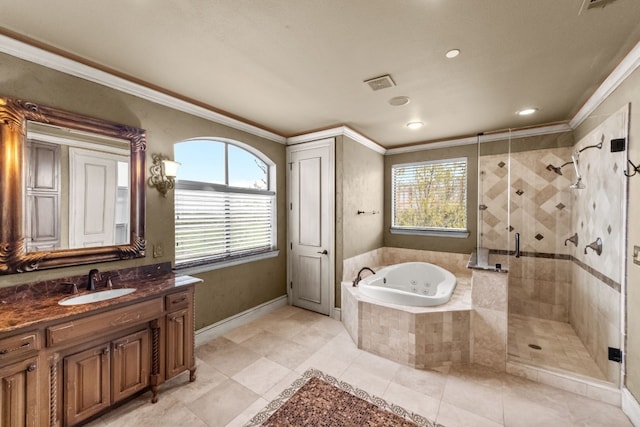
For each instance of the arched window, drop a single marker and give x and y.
(225, 202)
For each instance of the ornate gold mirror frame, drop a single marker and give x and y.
(14, 258)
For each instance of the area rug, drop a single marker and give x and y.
(318, 399)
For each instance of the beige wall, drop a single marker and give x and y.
(359, 186)
(441, 244)
(627, 92)
(226, 291)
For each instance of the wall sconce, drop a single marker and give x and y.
(163, 174)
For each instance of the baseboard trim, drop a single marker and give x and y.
(222, 327)
(337, 314)
(630, 407)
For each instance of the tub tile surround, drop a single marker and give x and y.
(489, 319)
(419, 337)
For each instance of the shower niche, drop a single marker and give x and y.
(552, 211)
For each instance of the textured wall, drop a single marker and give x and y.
(225, 292)
(359, 186)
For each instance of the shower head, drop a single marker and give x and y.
(579, 185)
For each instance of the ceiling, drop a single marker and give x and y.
(296, 66)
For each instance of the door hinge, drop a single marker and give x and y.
(290, 165)
(615, 354)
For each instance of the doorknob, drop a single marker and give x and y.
(323, 252)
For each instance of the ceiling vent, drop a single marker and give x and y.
(382, 82)
(590, 4)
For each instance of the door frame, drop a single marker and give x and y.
(331, 257)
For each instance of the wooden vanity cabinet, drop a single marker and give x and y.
(179, 335)
(19, 377)
(19, 393)
(70, 370)
(104, 374)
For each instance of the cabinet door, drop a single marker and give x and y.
(19, 394)
(179, 342)
(87, 383)
(131, 364)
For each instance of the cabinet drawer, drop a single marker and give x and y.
(178, 300)
(104, 322)
(18, 345)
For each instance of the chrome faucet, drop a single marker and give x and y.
(358, 277)
(94, 276)
(573, 239)
(596, 246)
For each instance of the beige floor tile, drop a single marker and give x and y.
(417, 403)
(281, 385)
(167, 412)
(244, 332)
(325, 363)
(452, 416)
(179, 387)
(261, 375)
(226, 356)
(381, 367)
(366, 380)
(221, 404)
(430, 383)
(246, 415)
(473, 397)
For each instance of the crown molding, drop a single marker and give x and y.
(627, 66)
(337, 131)
(498, 136)
(57, 62)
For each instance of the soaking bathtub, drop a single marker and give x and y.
(418, 284)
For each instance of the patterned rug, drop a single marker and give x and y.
(318, 399)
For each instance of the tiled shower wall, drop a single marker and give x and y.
(541, 213)
(561, 282)
(599, 211)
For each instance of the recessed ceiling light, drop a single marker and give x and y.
(452, 53)
(415, 125)
(527, 111)
(399, 100)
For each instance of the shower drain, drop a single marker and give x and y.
(535, 346)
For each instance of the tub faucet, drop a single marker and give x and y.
(573, 239)
(358, 277)
(596, 246)
(94, 276)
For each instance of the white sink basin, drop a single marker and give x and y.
(96, 296)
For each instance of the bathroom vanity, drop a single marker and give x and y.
(61, 365)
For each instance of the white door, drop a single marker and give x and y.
(311, 225)
(93, 184)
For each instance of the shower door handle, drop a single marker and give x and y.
(517, 236)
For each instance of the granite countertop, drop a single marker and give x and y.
(29, 305)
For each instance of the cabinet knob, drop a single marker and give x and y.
(31, 367)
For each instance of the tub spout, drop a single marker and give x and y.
(573, 239)
(358, 277)
(596, 246)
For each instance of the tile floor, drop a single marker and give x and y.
(560, 346)
(240, 372)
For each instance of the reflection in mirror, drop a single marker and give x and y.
(77, 189)
(71, 188)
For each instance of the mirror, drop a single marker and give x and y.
(71, 188)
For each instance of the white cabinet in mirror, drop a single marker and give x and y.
(77, 189)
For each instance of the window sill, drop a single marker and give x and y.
(223, 264)
(456, 234)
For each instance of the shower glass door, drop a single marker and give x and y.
(494, 229)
